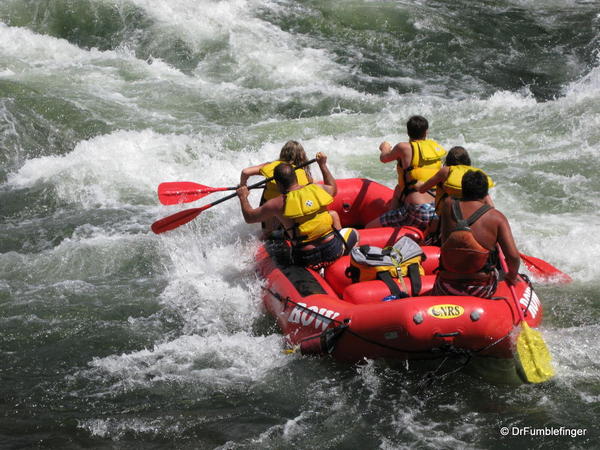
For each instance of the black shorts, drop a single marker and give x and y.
(322, 255)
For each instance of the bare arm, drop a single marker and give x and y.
(398, 152)
(329, 183)
(440, 176)
(509, 248)
(264, 212)
(385, 149)
(250, 171)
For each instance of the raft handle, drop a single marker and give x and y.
(444, 335)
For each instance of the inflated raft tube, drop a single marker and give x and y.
(358, 201)
(330, 315)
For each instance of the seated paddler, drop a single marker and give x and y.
(449, 183)
(292, 153)
(471, 229)
(302, 210)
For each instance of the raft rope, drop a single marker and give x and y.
(432, 375)
(448, 351)
(528, 281)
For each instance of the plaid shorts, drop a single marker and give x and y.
(409, 214)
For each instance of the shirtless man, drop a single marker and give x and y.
(468, 257)
(417, 160)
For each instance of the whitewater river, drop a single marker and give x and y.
(112, 337)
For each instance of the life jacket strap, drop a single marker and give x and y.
(463, 224)
(415, 279)
(386, 277)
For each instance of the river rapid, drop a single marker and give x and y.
(112, 337)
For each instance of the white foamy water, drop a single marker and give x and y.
(261, 54)
(212, 361)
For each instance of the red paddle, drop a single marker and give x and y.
(543, 270)
(182, 217)
(174, 192)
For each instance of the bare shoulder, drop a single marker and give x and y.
(403, 147)
(273, 206)
(497, 217)
(498, 214)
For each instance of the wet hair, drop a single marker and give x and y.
(416, 127)
(474, 185)
(293, 153)
(285, 175)
(457, 156)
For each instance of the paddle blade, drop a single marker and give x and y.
(176, 220)
(175, 192)
(544, 271)
(534, 356)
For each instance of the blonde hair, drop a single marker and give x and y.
(293, 153)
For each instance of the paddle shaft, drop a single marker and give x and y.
(510, 286)
(205, 190)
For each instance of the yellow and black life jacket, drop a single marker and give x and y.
(369, 263)
(307, 207)
(271, 189)
(453, 184)
(426, 161)
(461, 253)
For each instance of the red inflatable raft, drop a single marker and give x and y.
(330, 315)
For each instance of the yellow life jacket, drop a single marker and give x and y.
(307, 207)
(453, 184)
(426, 161)
(271, 189)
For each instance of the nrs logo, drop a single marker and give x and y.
(308, 203)
(534, 304)
(446, 311)
(318, 317)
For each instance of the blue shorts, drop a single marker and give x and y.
(415, 215)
